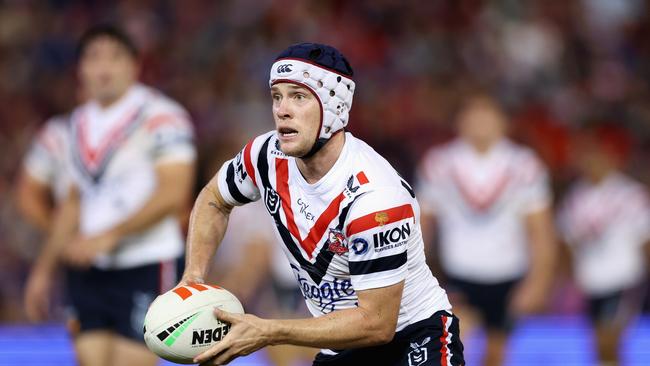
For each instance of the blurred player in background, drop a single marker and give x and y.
(491, 202)
(131, 163)
(348, 224)
(605, 220)
(44, 179)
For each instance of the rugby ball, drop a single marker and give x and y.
(180, 324)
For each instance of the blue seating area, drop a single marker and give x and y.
(546, 341)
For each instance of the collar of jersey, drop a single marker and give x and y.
(323, 185)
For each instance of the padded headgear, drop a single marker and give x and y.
(325, 72)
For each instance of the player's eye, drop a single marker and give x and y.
(276, 97)
(299, 97)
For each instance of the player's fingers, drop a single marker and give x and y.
(227, 317)
(212, 352)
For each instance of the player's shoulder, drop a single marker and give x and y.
(374, 167)
(521, 153)
(55, 131)
(629, 186)
(159, 102)
(58, 124)
(380, 184)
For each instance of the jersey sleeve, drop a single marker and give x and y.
(237, 179)
(638, 215)
(381, 225)
(535, 193)
(172, 134)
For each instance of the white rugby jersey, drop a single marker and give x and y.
(357, 228)
(480, 202)
(46, 159)
(113, 156)
(606, 226)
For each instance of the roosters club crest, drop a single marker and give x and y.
(336, 242)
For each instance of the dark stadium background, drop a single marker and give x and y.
(557, 65)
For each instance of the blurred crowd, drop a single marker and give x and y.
(556, 65)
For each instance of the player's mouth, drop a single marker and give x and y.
(286, 132)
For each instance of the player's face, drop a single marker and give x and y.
(481, 122)
(297, 118)
(106, 70)
(591, 160)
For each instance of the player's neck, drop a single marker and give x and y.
(598, 176)
(110, 100)
(483, 146)
(315, 167)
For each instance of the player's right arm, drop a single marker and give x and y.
(65, 226)
(208, 224)
(34, 200)
(234, 185)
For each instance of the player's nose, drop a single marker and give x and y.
(282, 109)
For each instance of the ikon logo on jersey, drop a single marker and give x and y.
(391, 236)
(209, 335)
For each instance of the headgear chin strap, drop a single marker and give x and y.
(326, 73)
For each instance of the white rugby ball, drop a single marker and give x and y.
(180, 324)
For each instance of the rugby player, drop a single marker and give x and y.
(348, 223)
(491, 203)
(117, 233)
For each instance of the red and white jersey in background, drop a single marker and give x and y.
(606, 226)
(480, 202)
(114, 153)
(46, 159)
(357, 228)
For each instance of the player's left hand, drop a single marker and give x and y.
(82, 251)
(247, 334)
(528, 298)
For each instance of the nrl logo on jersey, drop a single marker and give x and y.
(271, 200)
(336, 242)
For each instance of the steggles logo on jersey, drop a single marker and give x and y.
(328, 294)
(284, 68)
(271, 200)
(336, 242)
(381, 218)
(389, 239)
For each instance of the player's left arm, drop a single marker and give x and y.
(532, 293)
(372, 323)
(535, 287)
(175, 173)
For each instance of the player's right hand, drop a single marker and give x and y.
(37, 295)
(190, 279)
